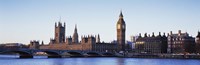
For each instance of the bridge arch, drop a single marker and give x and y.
(107, 54)
(50, 53)
(22, 54)
(74, 54)
(93, 54)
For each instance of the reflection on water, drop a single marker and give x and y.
(41, 60)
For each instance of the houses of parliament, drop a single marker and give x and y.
(87, 43)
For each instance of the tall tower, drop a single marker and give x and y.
(59, 33)
(75, 36)
(198, 38)
(98, 38)
(121, 32)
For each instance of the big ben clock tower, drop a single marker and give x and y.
(121, 33)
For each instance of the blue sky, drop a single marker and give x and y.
(25, 20)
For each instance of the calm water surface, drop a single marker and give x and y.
(96, 61)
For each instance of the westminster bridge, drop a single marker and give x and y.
(29, 53)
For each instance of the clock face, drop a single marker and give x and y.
(118, 26)
(123, 26)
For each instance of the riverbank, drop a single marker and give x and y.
(166, 56)
(163, 56)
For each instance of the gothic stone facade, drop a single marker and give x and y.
(89, 43)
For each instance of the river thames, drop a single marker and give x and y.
(95, 61)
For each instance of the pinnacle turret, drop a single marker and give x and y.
(98, 39)
(75, 35)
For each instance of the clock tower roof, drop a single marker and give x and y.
(121, 15)
(121, 19)
(198, 35)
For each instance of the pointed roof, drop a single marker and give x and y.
(75, 35)
(198, 35)
(75, 30)
(98, 36)
(42, 43)
(121, 15)
(121, 20)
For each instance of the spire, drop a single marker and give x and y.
(121, 15)
(75, 35)
(42, 42)
(98, 38)
(121, 20)
(75, 30)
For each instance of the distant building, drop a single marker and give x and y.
(133, 40)
(129, 46)
(34, 44)
(88, 43)
(151, 44)
(198, 42)
(13, 46)
(181, 43)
